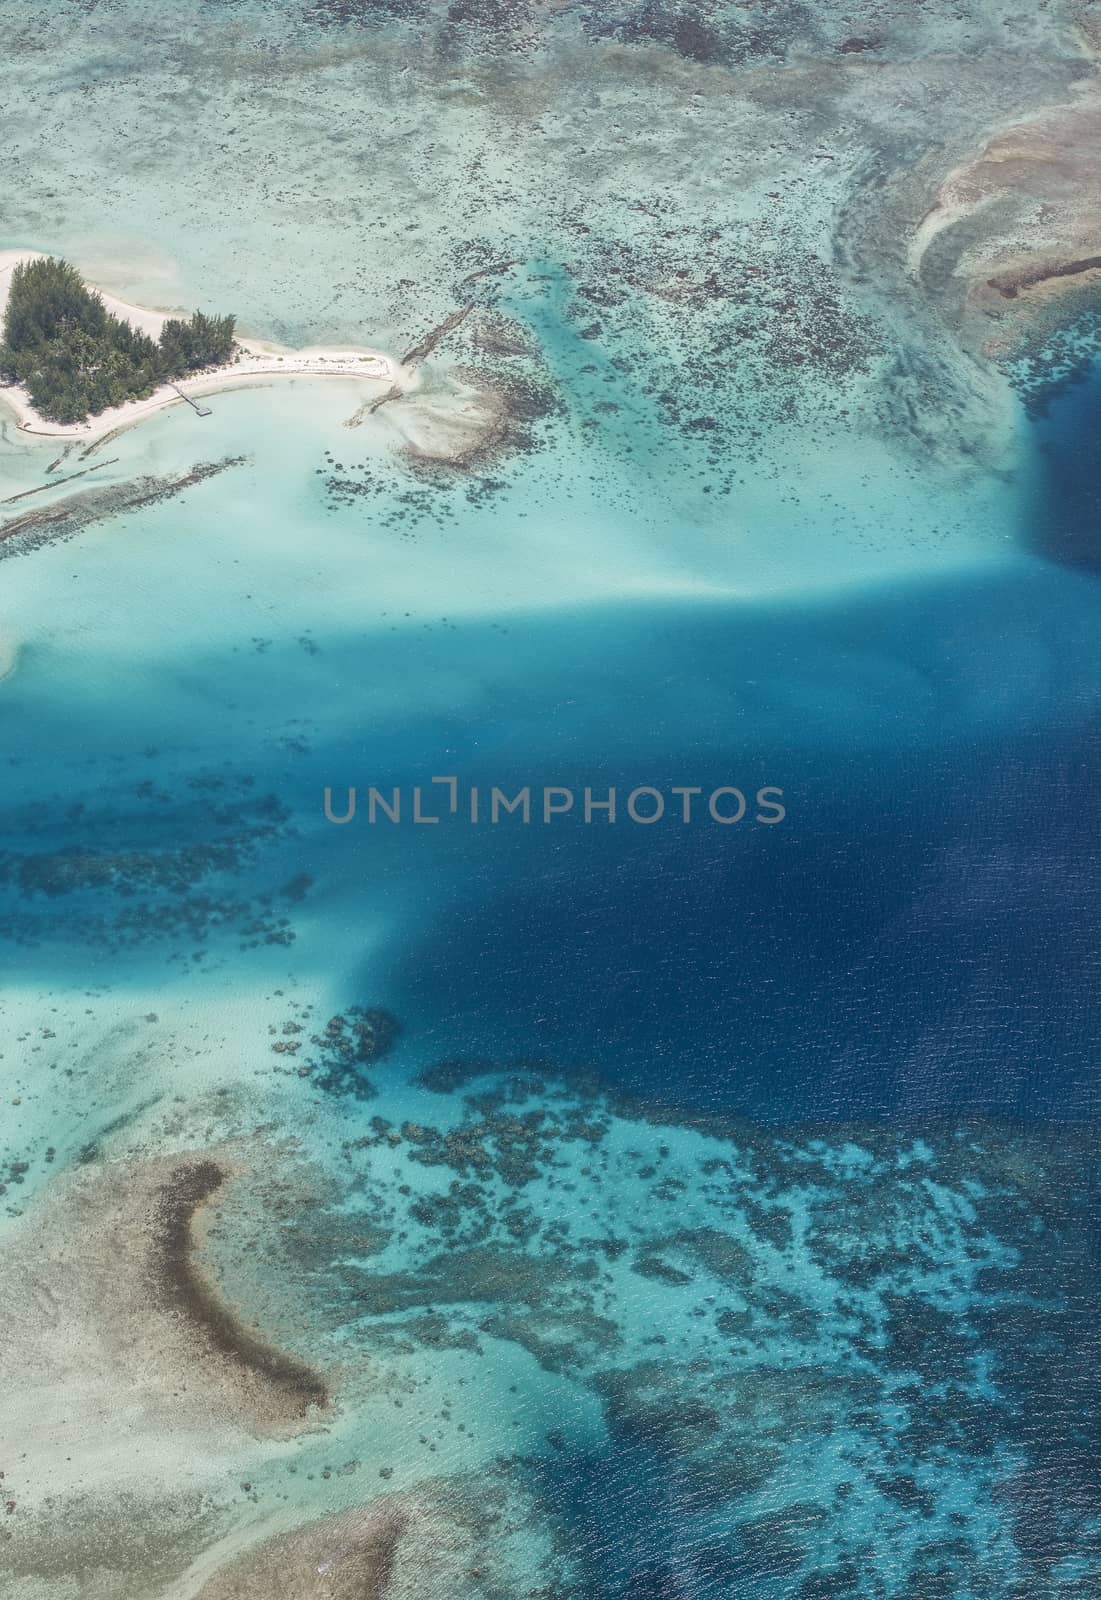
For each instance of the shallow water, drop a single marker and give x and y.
(746, 1242)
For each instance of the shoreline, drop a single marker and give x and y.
(257, 359)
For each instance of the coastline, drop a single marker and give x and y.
(256, 360)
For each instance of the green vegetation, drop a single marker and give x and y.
(201, 342)
(76, 359)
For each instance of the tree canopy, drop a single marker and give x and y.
(76, 358)
(202, 341)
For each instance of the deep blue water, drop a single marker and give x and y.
(917, 937)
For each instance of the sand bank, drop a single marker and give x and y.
(397, 1547)
(1017, 226)
(454, 423)
(106, 1266)
(256, 360)
(140, 1396)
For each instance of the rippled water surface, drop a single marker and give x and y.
(621, 1210)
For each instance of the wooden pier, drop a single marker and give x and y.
(201, 411)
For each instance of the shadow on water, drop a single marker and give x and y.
(1065, 513)
(918, 939)
(940, 959)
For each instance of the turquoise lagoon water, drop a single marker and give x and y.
(814, 1360)
(728, 1202)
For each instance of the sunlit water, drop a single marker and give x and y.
(819, 1199)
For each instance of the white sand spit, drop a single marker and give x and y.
(256, 360)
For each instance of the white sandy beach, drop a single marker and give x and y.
(257, 361)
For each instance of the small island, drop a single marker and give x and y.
(76, 359)
(76, 362)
